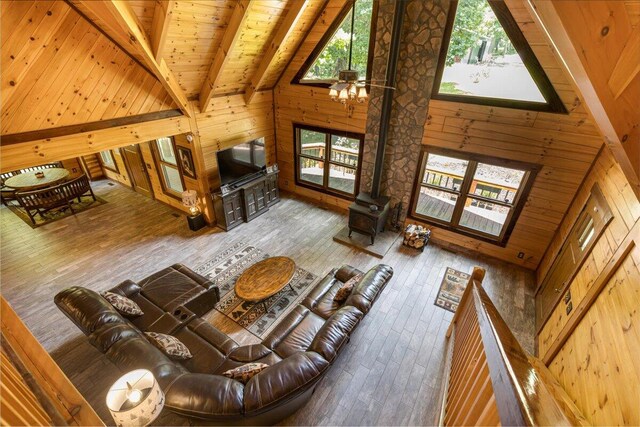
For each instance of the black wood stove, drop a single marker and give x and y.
(368, 214)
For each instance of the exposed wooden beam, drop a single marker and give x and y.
(285, 29)
(230, 38)
(37, 152)
(160, 27)
(585, 35)
(119, 18)
(628, 65)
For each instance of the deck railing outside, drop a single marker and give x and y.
(490, 379)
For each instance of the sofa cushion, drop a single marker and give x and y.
(169, 345)
(294, 333)
(87, 309)
(371, 285)
(346, 289)
(279, 382)
(335, 332)
(123, 304)
(206, 357)
(205, 396)
(244, 373)
(346, 272)
(173, 286)
(110, 333)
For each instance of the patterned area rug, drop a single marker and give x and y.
(51, 216)
(258, 318)
(452, 287)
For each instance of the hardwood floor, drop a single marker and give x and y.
(389, 374)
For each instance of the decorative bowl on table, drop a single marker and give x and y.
(40, 175)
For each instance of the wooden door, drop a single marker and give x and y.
(137, 170)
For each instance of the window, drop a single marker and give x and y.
(328, 160)
(485, 59)
(471, 194)
(332, 53)
(167, 166)
(108, 161)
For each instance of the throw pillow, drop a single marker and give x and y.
(171, 346)
(245, 372)
(123, 304)
(346, 289)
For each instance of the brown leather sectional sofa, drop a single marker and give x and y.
(299, 350)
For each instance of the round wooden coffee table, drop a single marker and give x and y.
(265, 278)
(29, 180)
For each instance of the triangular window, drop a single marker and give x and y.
(488, 61)
(332, 54)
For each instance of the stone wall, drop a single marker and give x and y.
(422, 34)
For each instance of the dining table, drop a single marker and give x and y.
(31, 181)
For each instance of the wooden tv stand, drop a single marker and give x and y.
(247, 201)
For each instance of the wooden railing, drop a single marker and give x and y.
(489, 378)
(33, 388)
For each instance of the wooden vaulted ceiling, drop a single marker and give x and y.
(78, 61)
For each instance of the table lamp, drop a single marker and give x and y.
(135, 399)
(190, 200)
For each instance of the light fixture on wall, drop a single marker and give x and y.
(135, 399)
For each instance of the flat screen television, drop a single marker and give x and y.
(241, 161)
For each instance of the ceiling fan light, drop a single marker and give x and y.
(362, 94)
(333, 93)
(344, 95)
(353, 91)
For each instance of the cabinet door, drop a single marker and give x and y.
(232, 210)
(260, 192)
(250, 202)
(273, 193)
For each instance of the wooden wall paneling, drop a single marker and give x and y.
(25, 97)
(18, 53)
(145, 11)
(602, 350)
(565, 145)
(18, 404)
(284, 30)
(204, 180)
(20, 155)
(59, 70)
(262, 19)
(228, 43)
(194, 36)
(592, 38)
(48, 375)
(119, 18)
(231, 122)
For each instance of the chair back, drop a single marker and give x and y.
(76, 187)
(40, 167)
(46, 198)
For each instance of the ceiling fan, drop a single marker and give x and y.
(348, 86)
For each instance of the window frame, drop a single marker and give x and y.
(530, 172)
(298, 79)
(158, 162)
(324, 188)
(553, 102)
(104, 165)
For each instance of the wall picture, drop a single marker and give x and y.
(186, 162)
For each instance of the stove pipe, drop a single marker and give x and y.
(387, 98)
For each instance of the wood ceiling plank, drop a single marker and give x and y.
(231, 37)
(119, 18)
(285, 29)
(160, 26)
(628, 65)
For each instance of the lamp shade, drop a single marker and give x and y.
(190, 198)
(135, 399)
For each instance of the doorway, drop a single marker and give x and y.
(137, 170)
